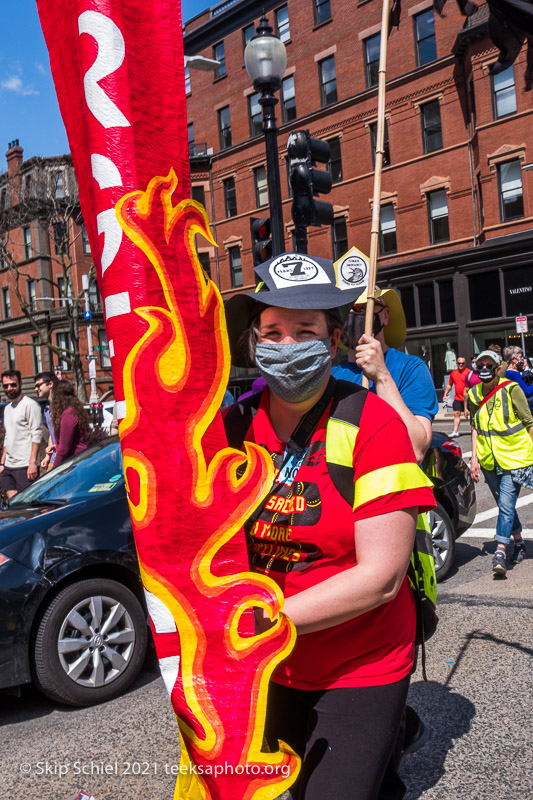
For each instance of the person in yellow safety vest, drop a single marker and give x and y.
(502, 448)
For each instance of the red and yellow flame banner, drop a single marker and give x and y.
(118, 71)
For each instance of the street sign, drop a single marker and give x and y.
(100, 347)
(87, 315)
(92, 369)
(521, 324)
(91, 358)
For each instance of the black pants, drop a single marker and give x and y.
(349, 739)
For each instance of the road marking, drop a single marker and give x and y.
(488, 533)
(493, 512)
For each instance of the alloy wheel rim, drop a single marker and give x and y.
(96, 641)
(440, 536)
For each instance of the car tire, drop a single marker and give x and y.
(108, 621)
(442, 535)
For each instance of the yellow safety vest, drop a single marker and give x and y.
(502, 437)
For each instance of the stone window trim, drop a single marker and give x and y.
(411, 12)
(368, 32)
(258, 164)
(203, 184)
(326, 53)
(288, 72)
(247, 92)
(221, 105)
(385, 199)
(226, 176)
(233, 241)
(429, 99)
(508, 152)
(371, 120)
(435, 184)
(341, 212)
(486, 65)
(209, 250)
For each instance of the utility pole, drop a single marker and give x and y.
(91, 358)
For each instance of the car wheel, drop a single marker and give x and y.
(90, 643)
(441, 528)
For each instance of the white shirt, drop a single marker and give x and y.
(22, 422)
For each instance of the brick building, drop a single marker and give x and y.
(457, 197)
(44, 252)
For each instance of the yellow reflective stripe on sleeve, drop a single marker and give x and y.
(387, 480)
(340, 442)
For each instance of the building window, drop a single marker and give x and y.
(372, 46)
(446, 301)
(64, 291)
(426, 45)
(386, 147)
(190, 138)
(439, 229)
(387, 230)
(503, 93)
(4, 199)
(26, 240)
(94, 295)
(198, 193)
(339, 238)
(328, 81)
(230, 198)
(219, 55)
(187, 80)
(334, 165)
(85, 241)
(37, 354)
(59, 188)
(511, 197)
(431, 126)
(254, 114)
(11, 359)
(322, 11)
(485, 295)
(6, 302)
(235, 267)
(261, 187)
(28, 188)
(426, 301)
(32, 295)
(61, 238)
(3, 252)
(105, 361)
(288, 99)
(407, 295)
(224, 127)
(282, 23)
(203, 258)
(248, 34)
(65, 342)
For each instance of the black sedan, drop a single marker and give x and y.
(72, 616)
(455, 494)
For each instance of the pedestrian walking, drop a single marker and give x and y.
(514, 357)
(22, 422)
(70, 421)
(458, 379)
(339, 697)
(44, 382)
(502, 448)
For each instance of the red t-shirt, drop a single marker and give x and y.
(305, 534)
(459, 380)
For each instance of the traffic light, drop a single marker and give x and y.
(261, 239)
(306, 181)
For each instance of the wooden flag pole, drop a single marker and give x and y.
(380, 139)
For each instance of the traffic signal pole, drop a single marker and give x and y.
(268, 103)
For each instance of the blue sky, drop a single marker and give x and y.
(28, 105)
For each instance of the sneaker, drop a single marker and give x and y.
(453, 435)
(519, 552)
(498, 563)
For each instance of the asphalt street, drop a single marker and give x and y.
(477, 702)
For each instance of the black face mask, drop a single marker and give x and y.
(354, 327)
(486, 373)
(520, 365)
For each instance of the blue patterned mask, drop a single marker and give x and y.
(294, 371)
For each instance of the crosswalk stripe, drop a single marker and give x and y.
(488, 533)
(483, 516)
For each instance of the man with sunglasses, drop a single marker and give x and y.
(22, 423)
(458, 378)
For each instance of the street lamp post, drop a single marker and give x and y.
(265, 58)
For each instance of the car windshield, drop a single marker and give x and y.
(96, 471)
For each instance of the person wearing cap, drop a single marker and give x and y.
(401, 379)
(502, 448)
(338, 698)
(458, 378)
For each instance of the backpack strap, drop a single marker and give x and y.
(238, 418)
(496, 389)
(341, 433)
